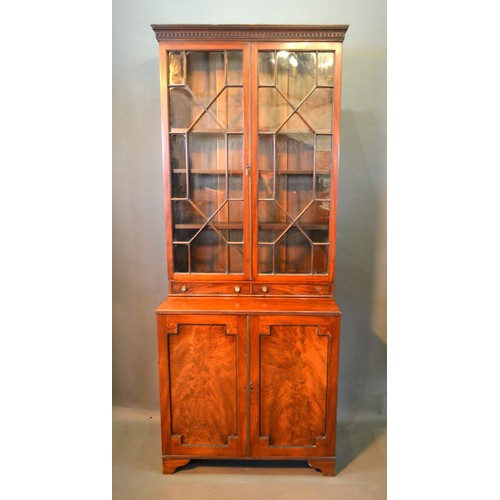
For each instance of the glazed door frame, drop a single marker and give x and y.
(295, 371)
(172, 46)
(194, 380)
(250, 134)
(335, 47)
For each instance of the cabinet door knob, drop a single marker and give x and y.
(264, 289)
(184, 288)
(237, 289)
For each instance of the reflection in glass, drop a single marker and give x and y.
(273, 109)
(183, 108)
(176, 68)
(325, 68)
(235, 68)
(266, 68)
(295, 76)
(317, 110)
(205, 74)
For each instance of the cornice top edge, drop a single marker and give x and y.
(249, 32)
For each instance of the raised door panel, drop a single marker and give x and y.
(202, 384)
(293, 370)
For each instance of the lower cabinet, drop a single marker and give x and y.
(248, 386)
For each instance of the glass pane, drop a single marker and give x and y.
(176, 68)
(293, 253)
(206, 123)
(273, 109)
(236, 259)
(296, 74)
(207, 163)
(296, 116)
(235, 166)
(295, 151)
(235, 68)
(270, 212)
(178, 151)
(206, 152)
(206, 192)
(325, 68)
(323, 153)
(317, 110)
(229, 221)
(185, 213)
(266, 152)
(181, 259)
(266, 186)
(235, 152)
(208, 253)
(295, 193)
(228, 108)
(323, 186)
(179, 188)
(265, 259)
(266, 68)
(183, 108)
(320, 259)
(317, 215)
(205, 74)
(184, 233)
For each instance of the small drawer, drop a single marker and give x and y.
(290, 289)
(197, 288)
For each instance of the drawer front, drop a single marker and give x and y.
(194, 288)
(290, 289)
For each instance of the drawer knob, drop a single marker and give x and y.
(264, 289)
(237, 289)
(184, 288)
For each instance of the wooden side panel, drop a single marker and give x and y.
(293, 372)
(202, 361)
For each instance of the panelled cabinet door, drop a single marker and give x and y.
(293, 373)
(202, 365)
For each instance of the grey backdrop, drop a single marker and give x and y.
(139, 266)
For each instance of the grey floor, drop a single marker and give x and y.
(137, 474)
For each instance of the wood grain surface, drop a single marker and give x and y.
(293, 381)
(203, 384)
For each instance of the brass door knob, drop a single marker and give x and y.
(184, 288)
(237, 289)
(264, 289)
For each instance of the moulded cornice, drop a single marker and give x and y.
(262, 33)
